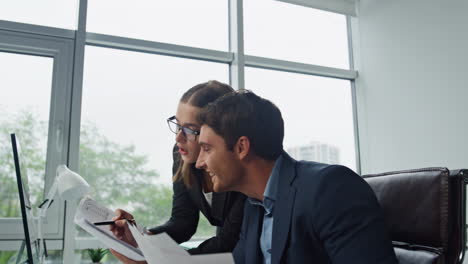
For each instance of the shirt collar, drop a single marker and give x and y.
(271, 188)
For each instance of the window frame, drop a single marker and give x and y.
(34, 40)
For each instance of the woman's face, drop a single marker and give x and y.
(186, 117)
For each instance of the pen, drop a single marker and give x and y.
(111, 222)
(104, 223)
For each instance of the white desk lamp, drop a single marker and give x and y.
(70, 186)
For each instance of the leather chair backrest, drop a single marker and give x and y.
(424, 212)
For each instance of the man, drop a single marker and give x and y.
(297, 211)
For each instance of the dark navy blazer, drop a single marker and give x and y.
(323, 214)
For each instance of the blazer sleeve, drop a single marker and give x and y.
(228, 235)
(184, 215)
(350, 223)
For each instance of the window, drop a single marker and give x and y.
(317, 113)
(36, 78)
(126, 146)
(289, 32)
(52, 13)
(201, 24)
(24, 104)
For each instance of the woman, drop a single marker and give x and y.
(193, 189)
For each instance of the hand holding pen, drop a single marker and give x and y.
(119, 226)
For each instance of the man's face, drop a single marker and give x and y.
(223, 165)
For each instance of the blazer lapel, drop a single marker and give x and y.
(252, 249)
(283, 208)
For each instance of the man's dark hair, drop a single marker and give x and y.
(244, 113)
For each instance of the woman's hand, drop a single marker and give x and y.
(121, 231)
(120, 228)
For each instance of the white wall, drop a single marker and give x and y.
(412, 89)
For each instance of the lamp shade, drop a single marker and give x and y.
(70, 185)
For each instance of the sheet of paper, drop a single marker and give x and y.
(162, 249)
(89, 212)
(219, 258)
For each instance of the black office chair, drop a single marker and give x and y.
(425, 213)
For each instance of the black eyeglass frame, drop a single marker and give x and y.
(185, 130)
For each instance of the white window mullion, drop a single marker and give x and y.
(297, 67)
(153, 47)
(353, 52)
(236, 44)
(74, 126)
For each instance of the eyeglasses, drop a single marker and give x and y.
(188, 133)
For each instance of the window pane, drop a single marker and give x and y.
(126, 145)
(52, 13)
(317, 114)
(24, 106)
(290, 32)
(202, 24)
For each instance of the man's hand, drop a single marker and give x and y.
(120, 228)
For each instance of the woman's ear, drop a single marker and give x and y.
(242, 147)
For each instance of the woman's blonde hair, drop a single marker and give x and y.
(199, 96)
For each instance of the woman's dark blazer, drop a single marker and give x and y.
(226, 213)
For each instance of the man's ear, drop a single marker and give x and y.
(242, 147)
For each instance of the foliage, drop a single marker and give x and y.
(6, 255)
(30, 133)
(96, 255)
(120, 177)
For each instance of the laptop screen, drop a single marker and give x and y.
(31, 243)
